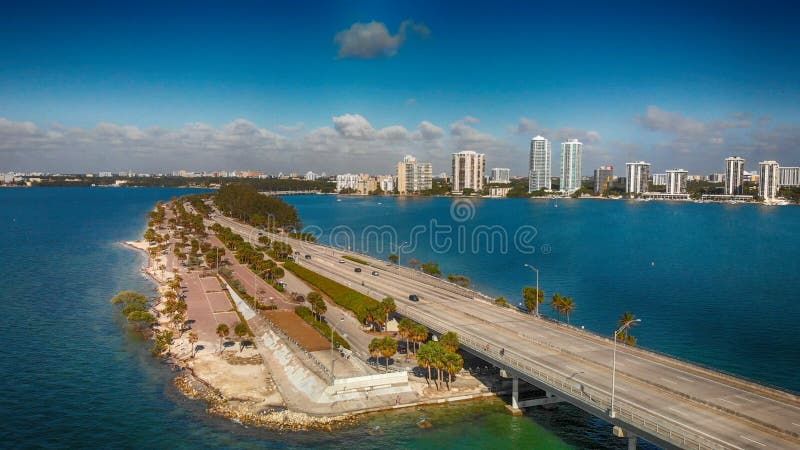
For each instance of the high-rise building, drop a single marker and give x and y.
(571, 155)
(603, 178)
(468, 169)
(501, 175)
(790, 176)
(386, 183)
(413, 176)
(636, 177)
(676, 181)
(734, 175)
(539, 175)
(366, 184)
(346, 181)
(768, 180)
(659, 179)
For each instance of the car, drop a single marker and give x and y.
(341, 261)
(375, 273)
(308, 256)
(260, 233)
(413, 298)
(357, 269)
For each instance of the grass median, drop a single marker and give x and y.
(322, 327)
(356, 260)
(342, 295)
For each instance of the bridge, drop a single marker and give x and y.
(666, 401)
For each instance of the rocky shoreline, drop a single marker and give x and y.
(243, 411)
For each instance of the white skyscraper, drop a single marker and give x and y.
(636, 175)
(790, 176)
(413, 176)
(659, 179)
(539, 175)
(734, 175)
(571, 154)
(501, 175)
(676, 181)
(468, 169)
(768, 180)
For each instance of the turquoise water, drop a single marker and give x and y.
(716, 284)
(71, 376)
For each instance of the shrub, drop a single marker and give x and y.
(342, 295)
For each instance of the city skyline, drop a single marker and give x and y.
(134, 91)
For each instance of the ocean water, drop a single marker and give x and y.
(717, 284)
(73, 376)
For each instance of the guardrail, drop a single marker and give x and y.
(665, 428)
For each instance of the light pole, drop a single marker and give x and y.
(625, 325)
(399, 249)
(537, 286)
(333, 374)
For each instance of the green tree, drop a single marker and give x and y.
(389, 306)
(222, 331)
(450, 342)
(626, 322)
(394, 258)
(567, 306)
(388, 349)
(420, 334)
(405, 329)
(374, 348)
(425, 359)
(452, 363)
(432, 268)
(533, 297)
(557, 304)
(240, 329)
(501, 301)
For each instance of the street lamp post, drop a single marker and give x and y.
(399, 249)
(625, 325)
(537, 286)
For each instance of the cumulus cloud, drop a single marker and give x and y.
(525, 126)
(373, 40)
(299, 126)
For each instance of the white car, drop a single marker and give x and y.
(341, 261)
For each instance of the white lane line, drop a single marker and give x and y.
(688, 380)
(796, 424)
(728, 401)
(571, 368)
(669, 381)
(741, 397)
(620, 388)
(753, 440)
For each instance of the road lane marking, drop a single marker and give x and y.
(753, 440)
(728, 401)
(745, 398)
(669, 381)
(620, 388)
(684, 379)
(796, 424)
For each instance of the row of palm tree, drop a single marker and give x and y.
(412, 332)
(379, 314)
(437, 355)
(626, 322)
(385, 346)
(562, 305)
(223, 331)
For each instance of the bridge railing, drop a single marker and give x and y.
(563, 386)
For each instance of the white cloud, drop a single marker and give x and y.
(299, 126)
(373, 40)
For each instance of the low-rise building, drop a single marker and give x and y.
(346, 181)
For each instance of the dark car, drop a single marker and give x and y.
(375, 273)
(413, 298)
(308, 256)
(357, 269)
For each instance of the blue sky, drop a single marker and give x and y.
(205, 85)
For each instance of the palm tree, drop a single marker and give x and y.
(438, 360)
(240, 329)
(567, 306)
(404, 329)
(450, 342)
(453, 363)
(388, 349)
(557, 304)
(389, 306)
(533, 297)
(375, 348)
(425, 357)
(626, 322)
(222, 331)
(193, 338)
(421, 334)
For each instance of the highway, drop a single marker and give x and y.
(665, 401)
